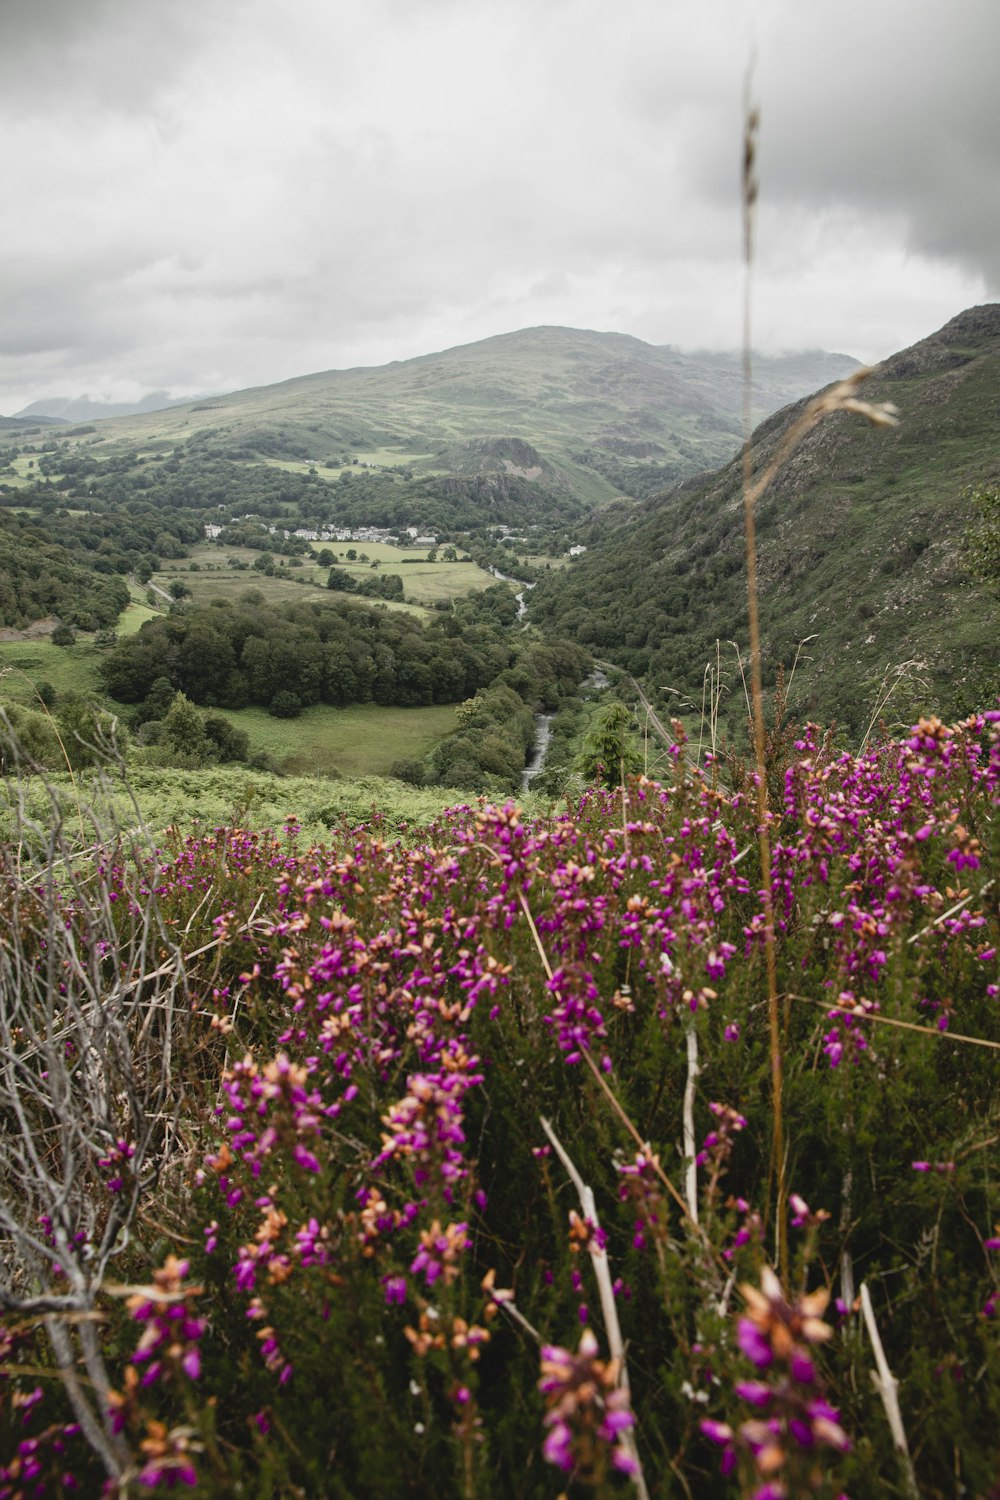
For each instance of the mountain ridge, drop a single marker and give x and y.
(607, 413)
(861, 539)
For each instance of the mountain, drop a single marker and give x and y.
(861, 554)
(26, 426)
(85, 409)
(596, 414)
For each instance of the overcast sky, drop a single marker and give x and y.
(200, 195)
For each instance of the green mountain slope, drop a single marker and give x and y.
(861, 550)
(597, 414)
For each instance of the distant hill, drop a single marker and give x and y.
(85, 409)
(596, 414)
(25, 426)
(860, 552)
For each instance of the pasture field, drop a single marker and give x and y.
(424, 583)
(364, 739)
(380, 458)
(230, 583)
(67, 668)
(135, 615)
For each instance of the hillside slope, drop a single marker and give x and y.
(861, 550)
(597, 413)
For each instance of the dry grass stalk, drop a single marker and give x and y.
(609, 1307)
(841, 397)
(887, 1386)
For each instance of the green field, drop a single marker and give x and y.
(232, 796)
(424, 583)
(362, 740)
(67, 668)
(135, 616)
(323, 741)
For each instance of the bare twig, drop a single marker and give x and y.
(609, 1308)
(690, 1140)
(859, 1013)
(888, 1387)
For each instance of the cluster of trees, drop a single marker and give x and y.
(379, 586)
(495, 729)
(39, 578)
(236, 654)
(204, 478)
(637, 477)
(76, 731)
(109, 538)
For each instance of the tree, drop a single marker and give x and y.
(230, 743)
(63, 635)
(285, 705)
(183, 733)
(90, 736)
(178, 589)
(339, 578)
(608, 750)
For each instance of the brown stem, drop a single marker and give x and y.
(777, 1171)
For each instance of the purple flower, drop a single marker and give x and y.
(754, 1344)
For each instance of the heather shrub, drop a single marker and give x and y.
(472, 1188)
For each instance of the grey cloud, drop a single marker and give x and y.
(239, 190)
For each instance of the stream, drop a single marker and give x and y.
(543, 733)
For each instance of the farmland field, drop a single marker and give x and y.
(423, 582)
(357, 741)
(67, 668)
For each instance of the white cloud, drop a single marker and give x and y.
(213, 196)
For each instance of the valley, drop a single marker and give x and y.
(325, 996)
(171, 523)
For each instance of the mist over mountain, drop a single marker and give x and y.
(86, 409)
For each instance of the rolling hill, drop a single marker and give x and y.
(594, 414)
(861, 554)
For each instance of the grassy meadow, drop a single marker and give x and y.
(153, 800)
(323, 741)
(364, 739)
(424, 582)
(70, 669)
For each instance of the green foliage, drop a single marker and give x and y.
(89, 734)
(29, 736)
(234, 655)
(983, 541)
(285, 705)
(610, 752)
(860, 553)
(38, 578)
